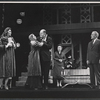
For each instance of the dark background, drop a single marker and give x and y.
(34, 18)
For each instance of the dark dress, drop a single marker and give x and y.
(34, 68)
(2, 51)
(9, 65)
(57, 69)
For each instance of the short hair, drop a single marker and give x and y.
(96, 33)
(42, 31)
(59, 45)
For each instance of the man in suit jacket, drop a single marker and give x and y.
(45, 55)
(93, 58)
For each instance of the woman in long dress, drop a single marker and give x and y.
(58, 69)
(34, 66)
(9, 65)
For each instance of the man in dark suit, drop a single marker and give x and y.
(93, 58)
(45, 55)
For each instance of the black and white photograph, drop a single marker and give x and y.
(50, 50)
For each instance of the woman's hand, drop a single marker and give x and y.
(62, 67)
(60, 60)
(8, 45)
(33, 42)
(17, 44)
(40, 44)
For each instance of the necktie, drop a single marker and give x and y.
(92, 42)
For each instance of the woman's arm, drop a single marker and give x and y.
(12, 43)
(55, 57)
(33, 43)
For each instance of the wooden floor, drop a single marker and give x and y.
(76, 91)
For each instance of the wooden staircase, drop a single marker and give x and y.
(22, 79)
(71, 76)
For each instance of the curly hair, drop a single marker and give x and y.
(32, 37)
(6, 31)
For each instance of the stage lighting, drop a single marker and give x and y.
(19, 21)
(22, 14)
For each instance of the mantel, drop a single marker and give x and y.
(69, 28)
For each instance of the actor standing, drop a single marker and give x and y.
(45, 55)
(93, 58)
(9, 63)
(58, 69)
(34, 67)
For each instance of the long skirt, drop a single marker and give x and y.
(8, 64)
(34, 70)
(33, 82)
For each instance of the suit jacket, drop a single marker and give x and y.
(93, 51)
(45, 54)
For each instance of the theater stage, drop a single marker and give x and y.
(72, 91)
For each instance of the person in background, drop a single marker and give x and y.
(34, 66)
(58, 69)
(93, 58)
(45, 55)
(9, 63)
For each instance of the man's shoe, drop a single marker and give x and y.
(46, 87)
(92, 86)
(98, 86)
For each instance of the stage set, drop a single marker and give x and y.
(69, 25)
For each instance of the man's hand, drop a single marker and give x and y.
(88, 62)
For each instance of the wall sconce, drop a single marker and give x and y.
(19, 21)
(22, 14)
